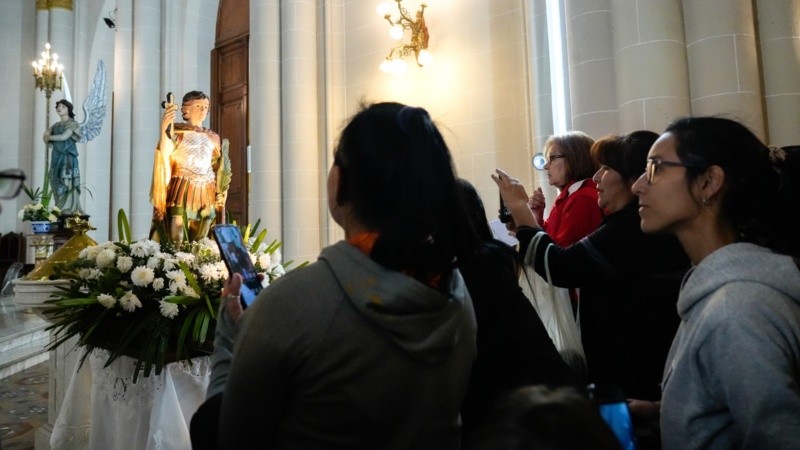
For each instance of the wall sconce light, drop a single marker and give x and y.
(417, 45)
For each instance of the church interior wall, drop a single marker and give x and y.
(312, 63)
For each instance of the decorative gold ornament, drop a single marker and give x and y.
(417, 45)
(67, 252)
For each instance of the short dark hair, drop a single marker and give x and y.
(544, 418)
(575, 146)
(189, 96)
(625, 154)
(397, 173)
(760, 193)
(68, 104)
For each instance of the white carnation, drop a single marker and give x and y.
(129, 301)
(158, 283)
(170, 264)
(278, 270)
(277, 258)
(209, 272)
(142, 276)
(83, 253)
(153, 262)
(177, 281)
(91, 252)
(144, 248)
(106, 258)
(107, 300)
(189, 292)
(168, 310)
(89, 274)
(184, 257)
(208, 244)
(264, 260)
(124, 263)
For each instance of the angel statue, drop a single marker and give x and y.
(65, 175)
(191, 172)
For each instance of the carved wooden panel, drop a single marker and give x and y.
(229, 87)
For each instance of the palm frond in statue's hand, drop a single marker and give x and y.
(95, 105)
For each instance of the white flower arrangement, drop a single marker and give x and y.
(38, 212)
(145, 300)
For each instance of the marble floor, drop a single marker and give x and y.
(23, 407)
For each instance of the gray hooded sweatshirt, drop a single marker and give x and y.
(732, 376)
(347, 354)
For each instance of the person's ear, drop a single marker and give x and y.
(339, 184)
(713, 181)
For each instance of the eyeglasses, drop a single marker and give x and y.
(539, 161)
(654, 164)
(11, 183)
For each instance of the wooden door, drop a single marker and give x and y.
(229, 87)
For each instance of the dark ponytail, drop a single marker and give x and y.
(780, 225)
(398, 175)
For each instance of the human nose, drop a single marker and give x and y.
(597, 176)
(640, 184)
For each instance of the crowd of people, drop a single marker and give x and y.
(413, 332)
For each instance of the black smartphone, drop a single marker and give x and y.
(237, 259)
(505, 214)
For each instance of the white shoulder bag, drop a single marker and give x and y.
(554, 309)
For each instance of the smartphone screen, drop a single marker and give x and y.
(237, 259)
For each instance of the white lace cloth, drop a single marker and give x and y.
(105, 410)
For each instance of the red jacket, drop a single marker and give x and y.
(575, 213)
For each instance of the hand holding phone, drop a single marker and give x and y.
(237, 259)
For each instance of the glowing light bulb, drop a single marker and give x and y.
(399, 66)
(47, 46)
(396, 32)
(383, 9)
(386, 66)
(425, 57)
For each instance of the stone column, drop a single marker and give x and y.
(265, 115)
(36, 172)
(145, 105)
(591, 63)
(650, 63)
(541, 93)
(780, 52)
(300, 130)
(122, 113)
(723, 60)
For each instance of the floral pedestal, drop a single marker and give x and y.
(104, 409)
(31, 295)
(42, 246)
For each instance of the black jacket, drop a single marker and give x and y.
(514, 349)
(629, 284)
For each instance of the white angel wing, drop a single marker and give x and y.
(94, 107)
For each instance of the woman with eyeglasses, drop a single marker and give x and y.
(627, 304)
(732, 379)
(569, 167)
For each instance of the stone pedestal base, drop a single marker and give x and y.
(31, 296)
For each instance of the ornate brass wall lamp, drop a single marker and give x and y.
(416, 45)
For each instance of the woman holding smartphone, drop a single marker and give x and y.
(371, 346)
